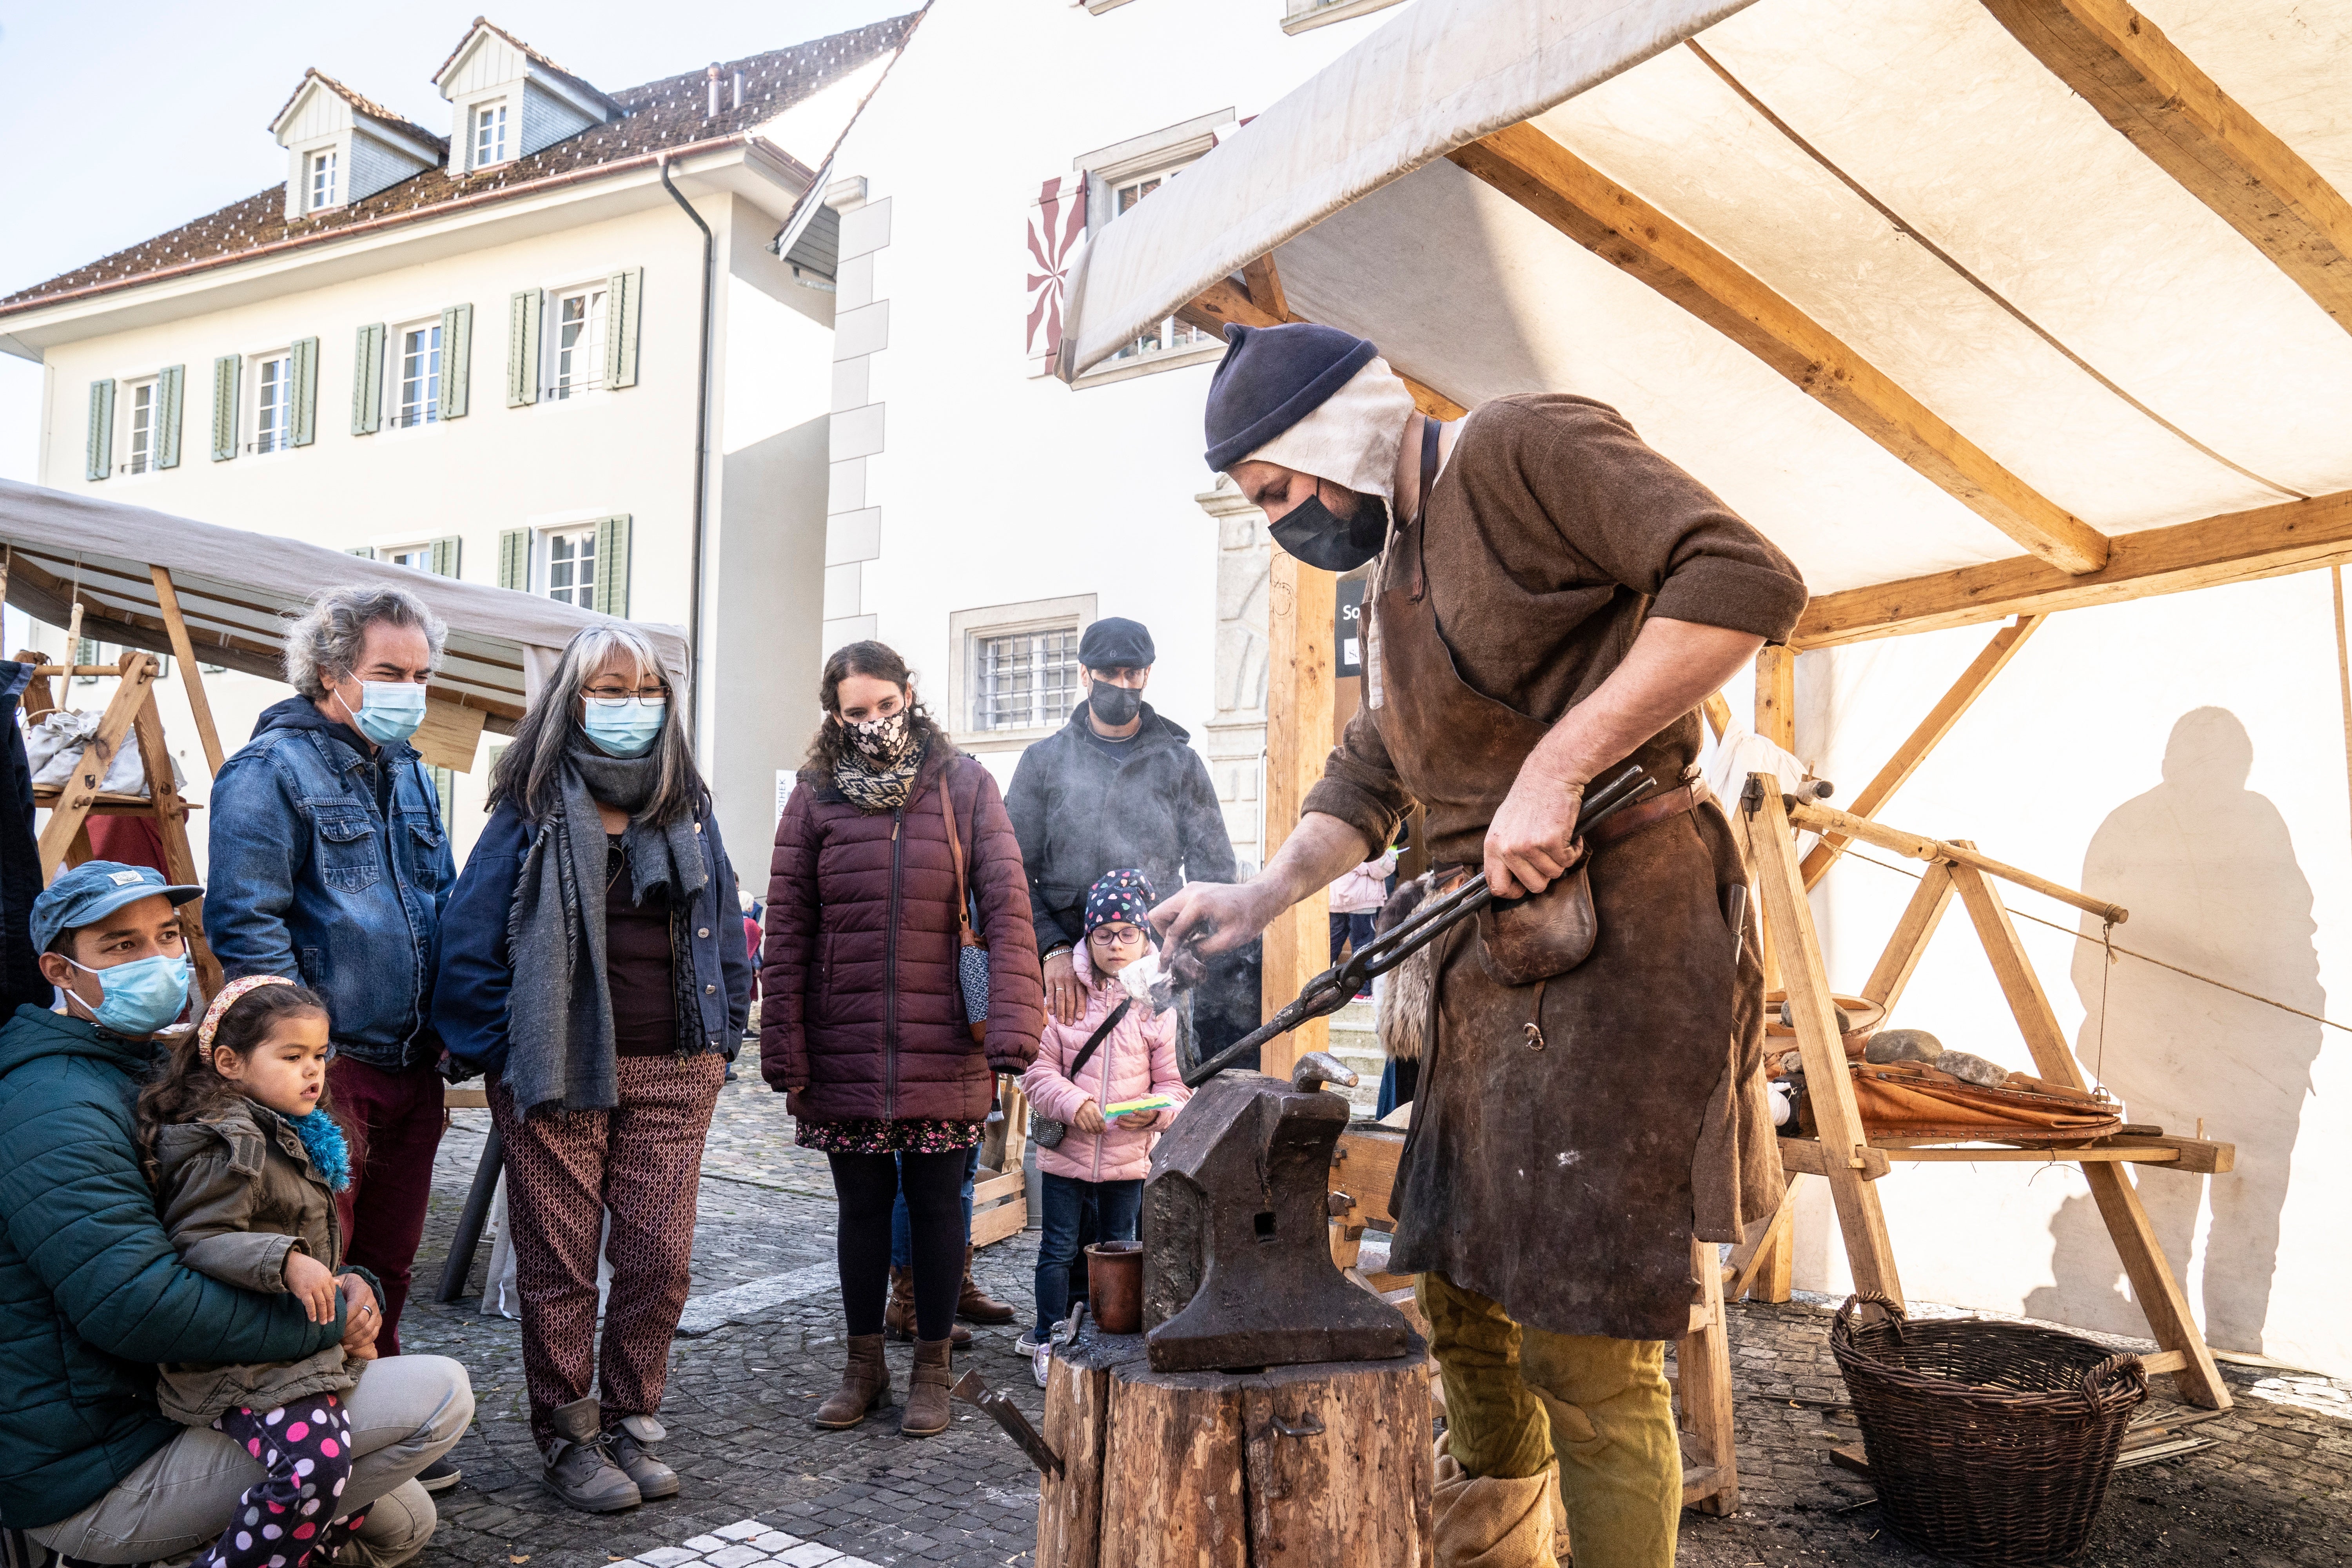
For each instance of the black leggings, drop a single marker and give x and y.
(866, 1186)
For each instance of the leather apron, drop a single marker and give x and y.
(1551, 1169)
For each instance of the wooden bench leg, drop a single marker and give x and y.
(1703, 1374)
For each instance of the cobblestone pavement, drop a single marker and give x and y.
(762, 1487)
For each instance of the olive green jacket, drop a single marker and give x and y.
(238, 1193)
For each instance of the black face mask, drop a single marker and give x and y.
(1115, 705)
(1310, 533)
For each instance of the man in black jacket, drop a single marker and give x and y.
(1119, 785)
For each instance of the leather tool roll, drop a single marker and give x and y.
(1522, 940)
(1909, 1099)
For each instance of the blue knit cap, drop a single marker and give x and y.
(1122, 895)
(1271, 378)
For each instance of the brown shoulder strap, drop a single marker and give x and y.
(955, 851)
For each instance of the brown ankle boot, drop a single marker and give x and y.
(976, 1304)
(926, 1414)
(864, 1385)
(899, 1314)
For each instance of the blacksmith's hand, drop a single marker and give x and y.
(1528, 843)
(1065, 997)
(1216, 917)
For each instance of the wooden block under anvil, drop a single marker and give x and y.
(1238, 1270)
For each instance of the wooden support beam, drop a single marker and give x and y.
(1931, 730)
(1962, 854)
(1909, 942)
(1719, 714)
(170, 814)
(2235, 547)
(167, 599)
(80, 790)
(1703, 1387)
(1846, 1157)
(1228, 301)
(1627, 232)
(1776, 695)
(1301, 602)
(2122, 65)
(1264, 282)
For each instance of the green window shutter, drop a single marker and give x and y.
(367, 381)
(305, 356)
(227, 371)
(101, 453)
(445, 550)
(621, 327)
(445, 780)
(168, 383)
(612, 566)
(523, 309)
(456, 359)
(514, 559)
(364, 551)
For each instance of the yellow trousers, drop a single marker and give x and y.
(1516, 1398)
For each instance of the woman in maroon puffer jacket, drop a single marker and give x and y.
(861, 1020)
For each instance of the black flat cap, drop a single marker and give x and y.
(1271, 378)
(1116, 643)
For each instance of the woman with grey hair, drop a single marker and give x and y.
(594, 966)
(329, 865)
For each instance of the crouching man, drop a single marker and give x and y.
(92, 1296)
(1553, 600)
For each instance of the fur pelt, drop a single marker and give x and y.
(1403, 1009)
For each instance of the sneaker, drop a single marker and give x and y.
(438, 1477)
(1028, 1343)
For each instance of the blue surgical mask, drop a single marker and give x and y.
(140, 997)
(389, 710)
(625, 726)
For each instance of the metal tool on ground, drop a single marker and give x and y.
(1005, 1414)
(1338, 985)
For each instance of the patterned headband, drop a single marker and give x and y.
(229, 993)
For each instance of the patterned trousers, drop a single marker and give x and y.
(641, 1162)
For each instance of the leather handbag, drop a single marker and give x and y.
(1043, 1131)
(971, 953)
(1911, 1100)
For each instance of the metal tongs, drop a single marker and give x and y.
(1335, 986)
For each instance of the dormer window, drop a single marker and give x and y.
(323, 180)
(489, 135)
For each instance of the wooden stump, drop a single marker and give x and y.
(1214, 1469)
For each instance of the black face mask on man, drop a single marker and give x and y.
(1309, 532)
(1114, 705)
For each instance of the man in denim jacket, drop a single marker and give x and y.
(329, 865)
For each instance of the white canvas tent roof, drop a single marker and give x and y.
(1907, 178)
(236, 589)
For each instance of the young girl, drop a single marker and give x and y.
(1097, 1165)
(246, 1160)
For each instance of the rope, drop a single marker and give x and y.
(2107, 940)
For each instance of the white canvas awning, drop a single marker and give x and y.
(1996, 332)
(236, 589)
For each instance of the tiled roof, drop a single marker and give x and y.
(658, 114)
(366, 106)
(538, 58)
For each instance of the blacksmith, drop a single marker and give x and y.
(1553, 600)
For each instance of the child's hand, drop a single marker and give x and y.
(1088, 1119)
(313, 1283)
(1139, 1119)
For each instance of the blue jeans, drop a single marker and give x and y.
(1114, 1207)
(902, 1236)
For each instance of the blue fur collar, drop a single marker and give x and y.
(329, 1155)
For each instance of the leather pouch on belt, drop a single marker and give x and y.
(1522, 940)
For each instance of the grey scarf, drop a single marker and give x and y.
(558, 1013)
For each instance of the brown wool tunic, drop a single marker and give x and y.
(1567, 1181)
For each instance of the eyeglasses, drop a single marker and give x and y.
(617, 695)
(1130, 937)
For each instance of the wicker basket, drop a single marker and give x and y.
(1989, 1443)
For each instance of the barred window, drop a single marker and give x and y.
(1026, 680)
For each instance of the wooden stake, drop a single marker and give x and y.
(167, 599)
(1301, 602)
(1939, 723)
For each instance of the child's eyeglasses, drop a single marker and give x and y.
(1130, 937)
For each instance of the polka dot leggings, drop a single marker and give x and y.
(286, 1518)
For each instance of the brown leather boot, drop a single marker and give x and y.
(926, 1414)
(864, 1385)
(976, 1304)
(899, 1313)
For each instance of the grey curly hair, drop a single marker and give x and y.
(325, 641)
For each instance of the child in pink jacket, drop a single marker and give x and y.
(1098, 1166)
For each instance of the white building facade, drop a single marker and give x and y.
(480, 351)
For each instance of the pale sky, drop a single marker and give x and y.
(127, 119)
